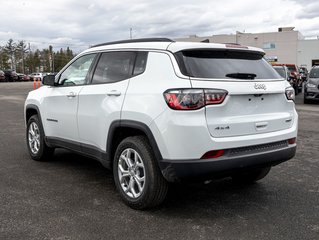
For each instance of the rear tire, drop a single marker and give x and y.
(37, 147)
(137, 176)
(251, 175)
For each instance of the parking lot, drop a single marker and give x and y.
(73, 197)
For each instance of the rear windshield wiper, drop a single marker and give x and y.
(241, 75)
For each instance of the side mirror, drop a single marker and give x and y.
(49, 80)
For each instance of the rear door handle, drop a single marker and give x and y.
(113, 93)
(71, 95)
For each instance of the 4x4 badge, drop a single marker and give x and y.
(260, 86)
(222, 128)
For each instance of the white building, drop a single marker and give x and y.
(284, 46)
(308, 53)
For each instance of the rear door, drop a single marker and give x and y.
(100, 102)
(256, 101)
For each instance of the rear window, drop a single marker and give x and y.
(281, 71)
(314, 73)
(225, 64)
(291, 68)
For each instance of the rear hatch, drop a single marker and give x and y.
(255, 102)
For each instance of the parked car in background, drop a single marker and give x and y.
(303, 73)
(23, 77)
(283, 71)
(295, 77)
(52, 73)
(312, 85)
(2, 76)
(10, 75)
(36, 75)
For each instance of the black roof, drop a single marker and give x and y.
(135, 41)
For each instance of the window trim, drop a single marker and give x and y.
(186, 74)
(88, 76)
(90, 81)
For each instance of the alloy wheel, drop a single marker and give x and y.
(131, 173)
(34, 138)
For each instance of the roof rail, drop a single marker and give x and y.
(135, 41)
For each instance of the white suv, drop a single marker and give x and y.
(158, 111)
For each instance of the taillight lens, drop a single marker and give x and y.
(292, 141)
(192, 99)
(213, 154)
(290, 93)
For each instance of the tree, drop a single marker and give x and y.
(4, 59)
(21, 50)
(10, 48)
(61, 58)
(36, 60)
(46, 60)
(51, 58)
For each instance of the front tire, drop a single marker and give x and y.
(137, 176)
(37, 147)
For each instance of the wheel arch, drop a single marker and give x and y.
(31, 110)
(121, 129)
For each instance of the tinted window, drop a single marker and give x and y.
(314, 73)
(76, 73)
(140, 63)
(225, 64)
(114, 66)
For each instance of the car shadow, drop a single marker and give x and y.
(205, 198)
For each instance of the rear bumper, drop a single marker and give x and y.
(233, 160)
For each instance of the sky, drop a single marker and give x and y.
(80, 24)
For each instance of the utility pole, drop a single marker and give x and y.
(131, 33)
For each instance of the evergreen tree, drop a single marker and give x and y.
(21, 51)
(4, 59)
(22, 59)
(10, 49)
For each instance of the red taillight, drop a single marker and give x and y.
(192, 99)
(213, 154)
(213, 96)
(292, 141)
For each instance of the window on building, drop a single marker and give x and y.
(269, 46)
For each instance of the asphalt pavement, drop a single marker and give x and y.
(73, 197)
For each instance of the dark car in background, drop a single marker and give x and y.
(295, 76)
(11, 75)
(23, 77)
(2, 76)
(303, 73)
(312, 85)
